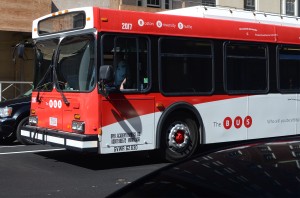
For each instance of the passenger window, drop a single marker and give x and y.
(288, 68)
(186, 66)
(129, 58)
(246, 68)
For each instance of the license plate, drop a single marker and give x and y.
(53, 121)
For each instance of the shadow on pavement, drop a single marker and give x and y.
(102, 162)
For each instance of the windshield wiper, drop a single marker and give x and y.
(42, 80)
(59, 90)
(38, 87)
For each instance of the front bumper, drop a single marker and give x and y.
(72, 141)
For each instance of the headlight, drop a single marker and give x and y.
(78, 126)
(5, 112)
(33, 120)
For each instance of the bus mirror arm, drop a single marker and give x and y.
(105, 81)
(21, 48)
(105, 88)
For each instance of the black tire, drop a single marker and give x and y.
(22, 140)
(180, 137)
(8, 139)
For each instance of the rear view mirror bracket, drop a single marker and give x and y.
(106, 76)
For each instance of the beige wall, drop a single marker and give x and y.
(67, 4)
(272, 6)
(231, 3)
(18, 15)
(268, 6)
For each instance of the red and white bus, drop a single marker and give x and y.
(193, 76)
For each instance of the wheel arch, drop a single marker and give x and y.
(176, 108)
(20, 116)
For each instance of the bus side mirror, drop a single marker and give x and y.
(39, 55)
(20, 50)
(106, 73)
(105, 80)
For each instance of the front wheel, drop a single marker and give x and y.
(22, 140)
(180, 137)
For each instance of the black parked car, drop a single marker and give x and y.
(261, 168)
(13, 115)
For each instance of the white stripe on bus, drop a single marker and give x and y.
(57, 140)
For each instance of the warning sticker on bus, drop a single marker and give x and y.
(123, 138)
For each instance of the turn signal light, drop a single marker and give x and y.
(60, 12)
(160, 106)
(104, 19)
(77, 116)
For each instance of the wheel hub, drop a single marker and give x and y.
(179, 137)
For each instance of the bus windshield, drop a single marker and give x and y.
(74, 65)
(44, 54)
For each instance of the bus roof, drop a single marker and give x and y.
(199, 22)
(234, 14)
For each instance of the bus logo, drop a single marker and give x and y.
(141, 22)
(159, 24)
(237, 122)
(180, 26)
(55, 104)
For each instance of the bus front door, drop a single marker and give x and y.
(128, 123)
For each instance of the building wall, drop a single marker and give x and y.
(272, 6)
(231, 3)
(67, 4)
(130, 2)
(268, 6)
(18, 15)
(15, 26)
(14, 69)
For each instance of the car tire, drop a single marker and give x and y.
(180, 137)
(8, 139)
(22, 140)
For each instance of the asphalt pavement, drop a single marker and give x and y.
(45, 171)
